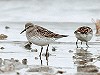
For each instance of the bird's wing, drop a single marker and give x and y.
(47, 33)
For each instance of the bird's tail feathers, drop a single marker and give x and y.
(61, 36)
(64, 35)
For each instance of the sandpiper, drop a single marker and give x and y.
(40, 36)
(84, 34)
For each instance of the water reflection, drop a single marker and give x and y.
(82, 56)
(84, 60)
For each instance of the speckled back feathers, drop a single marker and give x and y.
(84, 30)
(38, 30)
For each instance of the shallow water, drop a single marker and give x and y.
(66, 56)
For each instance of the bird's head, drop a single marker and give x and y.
(27, 26)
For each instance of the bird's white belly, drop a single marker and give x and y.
(84, 37)
(41, 41)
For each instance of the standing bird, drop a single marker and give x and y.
(40, 36)
(84, 34)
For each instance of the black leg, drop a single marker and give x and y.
(81, 42)
(77, 43)
(47, 53)
(40, 54)
(87, 44)
(47, 61)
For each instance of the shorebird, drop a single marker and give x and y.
(84, 34)
(40, 36)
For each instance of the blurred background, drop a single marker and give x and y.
(49, 10)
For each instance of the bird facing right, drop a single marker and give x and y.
(84, 34)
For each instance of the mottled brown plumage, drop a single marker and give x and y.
(40, 36)
(47, 33)
(83, 33)
(39, 33)
(84, 30)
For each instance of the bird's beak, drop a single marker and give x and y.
(23, 31)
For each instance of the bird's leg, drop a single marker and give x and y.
(77, 43)
(40, 54)
(87, 44)
(47, 61)
(47, 54)
(81, 42)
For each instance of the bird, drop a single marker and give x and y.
(84, 34)
(40, 36)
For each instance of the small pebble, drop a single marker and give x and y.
(6, 27)
(16, 60)
(28, 46)
(2, 48)
(53, 49)
(24, 61)
(70, 51)
(34, 50)
(74, 57)
(61, 72)
(17, 73)
(91, 60)
(3, 36)
(36, 58)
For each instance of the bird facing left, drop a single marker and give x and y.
(40, 36)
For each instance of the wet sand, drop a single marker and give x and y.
(65, 57)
